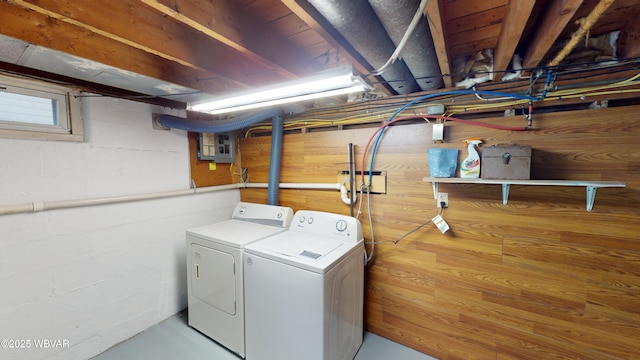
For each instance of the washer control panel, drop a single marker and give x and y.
(329, 225)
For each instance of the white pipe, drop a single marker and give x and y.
(50, 205)
(307, 186)
(310, 186)
(344, 194)
(65, 204)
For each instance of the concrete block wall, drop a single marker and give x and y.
(74, 282)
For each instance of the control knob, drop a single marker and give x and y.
(341, 225)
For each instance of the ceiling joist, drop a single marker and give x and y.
(221, 46)
(437, 25)
(549, 29)
(41, 29)
(315, 22)
(585, 25)
(221, 21)
(510, 34)
(200, 70)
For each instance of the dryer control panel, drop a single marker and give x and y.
(327, 225)
(272, 215)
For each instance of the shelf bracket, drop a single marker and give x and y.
(434, 185)
(505, 193)
(591, 196)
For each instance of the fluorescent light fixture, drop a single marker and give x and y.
(334, 82)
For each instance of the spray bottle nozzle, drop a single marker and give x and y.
(474, 141)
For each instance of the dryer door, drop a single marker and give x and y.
(213, 278)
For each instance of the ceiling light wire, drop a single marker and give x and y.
(405, 39)
(350, 114)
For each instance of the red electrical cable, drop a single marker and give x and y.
(366, 148)
(470, 122)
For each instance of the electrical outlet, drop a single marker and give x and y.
(443, 198)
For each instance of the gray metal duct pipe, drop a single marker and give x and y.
(356, 21)
(419, 52)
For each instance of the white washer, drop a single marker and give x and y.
(215, 274)
(304, 290)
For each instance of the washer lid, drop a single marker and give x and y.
(308, 252)
(235, 233)
(310, 249)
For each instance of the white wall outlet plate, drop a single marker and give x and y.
(442, 198)
(437, 132)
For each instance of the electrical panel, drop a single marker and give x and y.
(219, 147)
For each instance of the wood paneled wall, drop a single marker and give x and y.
(538, 278)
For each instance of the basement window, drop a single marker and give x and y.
(38, 110)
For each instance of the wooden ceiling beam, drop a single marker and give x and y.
(317, 23)
(155, 35)
(225, 22)
(92, 87)
(549, 29)
(48, 31)
(313, 22)
(303, 13)
(510, 33)
(585, 25)
(437, 24)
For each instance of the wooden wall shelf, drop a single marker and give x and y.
(591, 186)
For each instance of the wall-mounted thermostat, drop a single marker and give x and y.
(218, 147)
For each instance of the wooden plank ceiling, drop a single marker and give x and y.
(219, 46)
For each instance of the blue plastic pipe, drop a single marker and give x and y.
(277, 126)
(218, 126)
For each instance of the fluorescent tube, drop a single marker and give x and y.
(334, 82)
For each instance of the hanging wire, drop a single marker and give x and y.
(241, 173)
(373, 242)
(405, 38)
(352, 113)
(396, 241)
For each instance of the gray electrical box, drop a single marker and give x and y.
(219, 147)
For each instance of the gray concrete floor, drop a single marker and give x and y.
(175, 339)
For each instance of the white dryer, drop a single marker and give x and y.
(304, 290)
(215, 274)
